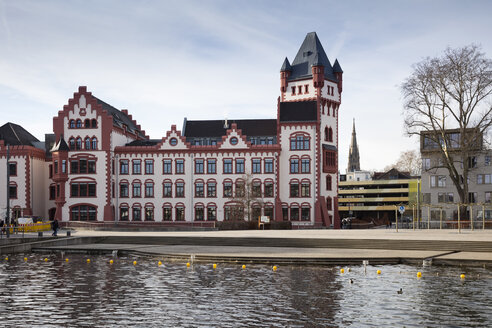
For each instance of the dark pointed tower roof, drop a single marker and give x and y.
(61, 145)
(336, 67)
(311, 53)
(353, 160)
(286, 66)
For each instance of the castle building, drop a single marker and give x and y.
(99, 165)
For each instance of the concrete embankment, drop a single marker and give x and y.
(314, 248)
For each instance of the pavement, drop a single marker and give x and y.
(378, 246)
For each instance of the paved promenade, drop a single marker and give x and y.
(378, 246)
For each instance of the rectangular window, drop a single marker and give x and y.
(91, 166)
(85, 189)
(294, 189)
(487, 178)
(256, 189)
(149, 189)
(180, 166)
(123, 167)
(199, 214)
(167, 167)
(488, 196)
(293, 90)
(472, 197)
(56, 167)
(479, 178)
(294, 165)
(441, 197)
(227, 189)
(83, 166)
(211, 213)
(91, 190)
(256, 165)
(52, 192)
(167, 213)
(294, 214)
(74, 166)
(240, 189)
(124, 190)
(268, 165)
(487, 160)
(199, 166)
(211, 189)
(472, 162)
(268, 189)
(180, 214)
(441, 181)
(305, 189)
(149, 213)
(450, 197)
(299, 89)
(180, 189)
(124, 213)
(305, 214)
(137, 166)
(167, 190)
(305, 165)
(306, 88)
(137, 189)
(211, 166)
(426, 164)
(137, 214)
(64, 166)
(199, 192)
(149, 166)
(239, 165)
(12, 169)
(50, 171)
(227, 166)
(74, 190)
(285, 213)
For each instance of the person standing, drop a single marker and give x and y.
(54, 226)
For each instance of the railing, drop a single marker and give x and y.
(22, 228)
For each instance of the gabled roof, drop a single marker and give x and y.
(218, 128)
(392, 174)
(16, 135)
(311, 53)
(61, 145)
(298, 111)
(120, 119)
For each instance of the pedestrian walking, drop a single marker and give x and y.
(54, 226)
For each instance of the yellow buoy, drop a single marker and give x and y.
(134, 262)
(419, 274)
(111, 261)
(214, 266)
(46, 259)
(274, 268)
(66, 260)
(462, 276)
(88, 260)
(188, 264)
(342, 270)
(25, 258)
(159, 263)
(244, 266)
(6, 259)
(378, 272)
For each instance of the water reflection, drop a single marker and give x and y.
(77, 294)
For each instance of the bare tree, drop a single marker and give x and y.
(452, 91)
(247, 194)
(409, 161)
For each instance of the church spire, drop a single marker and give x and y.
(353, 160)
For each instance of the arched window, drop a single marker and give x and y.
(326, 133)
(167, 212)
(71, 143)
(305, 212)
(94, 123)
(94, 143)
(124, 212)
(180, 212)
(71, 124)
(149, 212)
(299, 141)
(78, 145)
(211, 212)
(87, 143)
(79, 124)
(330, 134)
(199, 212)
(83, 213)
(136, 212)
(328, 203)
(87, 123)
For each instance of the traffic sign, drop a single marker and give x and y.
(401, 209)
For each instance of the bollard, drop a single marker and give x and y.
(69, 233)
(40, 234)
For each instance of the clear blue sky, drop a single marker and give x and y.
(164, 61)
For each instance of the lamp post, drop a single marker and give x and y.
(7, 216)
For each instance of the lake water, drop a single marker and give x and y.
(77, 294)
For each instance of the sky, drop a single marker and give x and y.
(166, 60)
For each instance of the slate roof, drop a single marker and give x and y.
(119, 118)
(16, 135)
(60, 146)
(336, 67)
(285, 66)
(302, 111)
(215, 128)
(311, 53)
(145, 142)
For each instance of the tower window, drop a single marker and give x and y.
(306, 88)
(300, 89)
(293, 90)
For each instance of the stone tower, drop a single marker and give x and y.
(353, 159)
